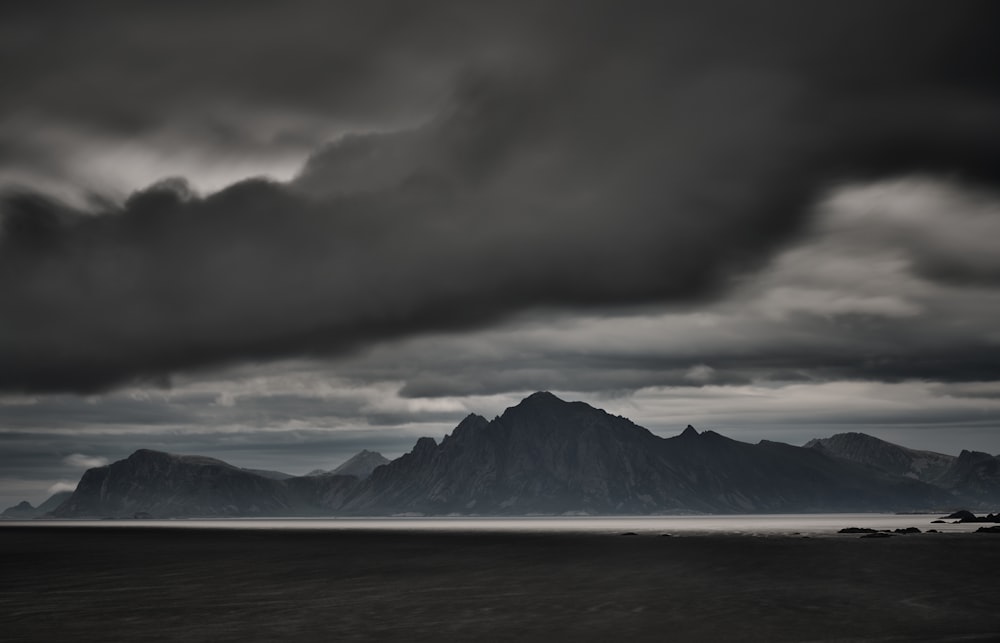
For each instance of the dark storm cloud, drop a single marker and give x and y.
(857, 359)
(76, 412)
(603, 156)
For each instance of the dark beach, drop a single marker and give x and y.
(159, 584)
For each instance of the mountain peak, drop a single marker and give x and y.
(361, 464)
(689, 432)
(424, 445)
(927, 466)
(542, 397)
(23, 509)
(472, 419)
(162, 458)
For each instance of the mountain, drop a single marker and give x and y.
(973, 478)
(163, 484)
(53, 502)
(549, 456)
(20, 511)
(360, 465)
(544, 456)
(886, 456)
(24, 509)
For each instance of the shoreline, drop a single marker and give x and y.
(812, 525)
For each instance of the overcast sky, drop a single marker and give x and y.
(282, 234)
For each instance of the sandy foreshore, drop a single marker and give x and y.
(128, 584)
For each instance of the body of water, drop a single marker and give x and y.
(754, 524)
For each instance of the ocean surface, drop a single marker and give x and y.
(755, 524)
(528, 579)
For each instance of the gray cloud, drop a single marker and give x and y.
(83, 461)
(608, 157)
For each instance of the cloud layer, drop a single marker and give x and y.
(500, 162)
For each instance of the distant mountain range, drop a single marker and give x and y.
(548, 456)
(24, 509)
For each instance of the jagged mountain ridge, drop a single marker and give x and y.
(542, 456)
(550, 456)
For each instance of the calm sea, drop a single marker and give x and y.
(763, 525)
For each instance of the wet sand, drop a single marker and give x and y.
(127, 584)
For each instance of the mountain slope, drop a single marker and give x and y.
(20, 511)
(886, 456)
(727, 475)
(24, 509)
(53, 502)
(360, 465)
(163, 484)
(972, 478)
(274, 475)
(975, 477)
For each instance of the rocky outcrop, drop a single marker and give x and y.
(360, 465)
(964, 515)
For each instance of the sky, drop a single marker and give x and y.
(283, 234)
